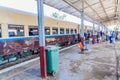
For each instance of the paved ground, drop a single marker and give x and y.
(99, 63)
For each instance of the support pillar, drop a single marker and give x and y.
(98, 34)
(102, 29)
(98, 27)
(82, 32)
(107, 34)
(93, 33)
(82, 27)
(41, 39)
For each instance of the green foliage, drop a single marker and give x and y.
(117, 28)
(58, 16)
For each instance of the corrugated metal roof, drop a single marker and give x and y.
(106, 12)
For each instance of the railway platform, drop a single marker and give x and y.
(98, 63)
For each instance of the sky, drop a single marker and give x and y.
(31, 6)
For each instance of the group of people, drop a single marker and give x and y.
(101, 36)
(89, 36)
(97, 37)
(112, 36)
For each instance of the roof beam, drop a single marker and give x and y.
(110, 8)
(92, 5)
(92, 8)
(73, 12)
(68, 5)
(116, 7)
(77, 9)
(81, 9)
(111, 18)
(104, 9)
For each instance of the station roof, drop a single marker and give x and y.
(106, 12)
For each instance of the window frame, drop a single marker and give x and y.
(68, 31)
(49, 30)
(75, 30)
(63, 30)
(71, 31)
(54, 28)
(16, 27)
(35, 28)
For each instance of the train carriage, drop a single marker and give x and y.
(19, 32)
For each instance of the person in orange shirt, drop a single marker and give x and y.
(81, 45)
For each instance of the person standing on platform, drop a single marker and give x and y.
(113, 36)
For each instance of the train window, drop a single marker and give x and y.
(75, 31)
(61, 30)
(71, 31)
(47, 30)
(33, 30)
(67, 31)
(55, 31)
(0, 31)
(15, 30)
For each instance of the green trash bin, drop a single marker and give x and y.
(52, 59)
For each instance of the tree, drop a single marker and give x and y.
(117, 28)
(58, 16)
(55, 15)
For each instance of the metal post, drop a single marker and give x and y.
(98, 27)
(93, 28)
(102, 28)
(82, 20)
(82, 25)
(41, 38)
(93, 33)
(105, 29)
